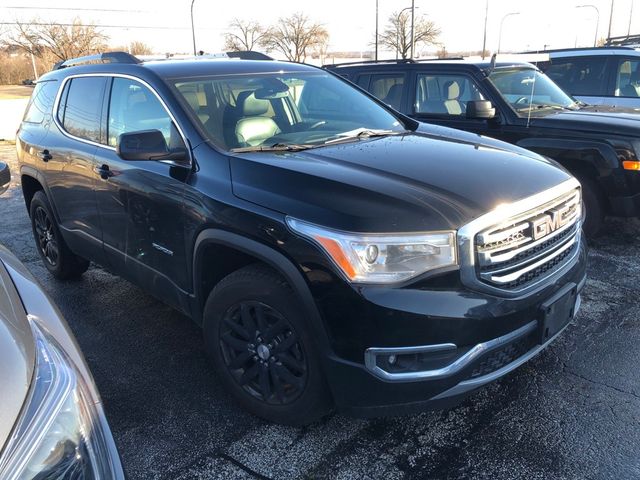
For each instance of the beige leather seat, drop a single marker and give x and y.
(254, 128)
(451, 91)
(632, 89)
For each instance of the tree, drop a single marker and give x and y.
(295, 35)
(139, 48)
(397, 35)
(245, 35)
(55, 40)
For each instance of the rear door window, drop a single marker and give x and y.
(80, 108)
(445, 94)
(580, 76)
(388, 88)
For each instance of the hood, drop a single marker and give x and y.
(600, 119)
(393, 184)
(17, 353)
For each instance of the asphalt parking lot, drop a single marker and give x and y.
(572, 412)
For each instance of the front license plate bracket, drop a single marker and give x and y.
(558, 311)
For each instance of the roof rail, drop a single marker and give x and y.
(110, 57)
(249, 55)
(366, 62)
(576, 49)
(623, 41)
(399, 60)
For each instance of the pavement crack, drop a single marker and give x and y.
(242, 466)
(602, 384)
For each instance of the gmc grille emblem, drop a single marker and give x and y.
(551, 221)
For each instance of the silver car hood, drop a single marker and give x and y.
(17, 352)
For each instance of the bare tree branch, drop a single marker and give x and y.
(245, 35)
(397, 35)
(52, 40)
(294, 36)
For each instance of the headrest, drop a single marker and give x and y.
(451, 90)
(192, 98)
(251, 106)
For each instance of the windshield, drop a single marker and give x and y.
(283, 111)
(528, 90)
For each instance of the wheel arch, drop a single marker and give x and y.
(240, 251)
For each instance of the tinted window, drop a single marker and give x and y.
(579, 76)
(41, 101)
(133, 107)
(628, 79)
(445, 94)
(388, 88)
(81, 107)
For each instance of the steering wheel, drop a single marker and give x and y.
(522, 101)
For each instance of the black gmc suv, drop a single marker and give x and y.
(336, 253)
(517, 103)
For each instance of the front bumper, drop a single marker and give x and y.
(476, 339)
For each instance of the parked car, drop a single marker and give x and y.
(597, 76)
(335, 252)
(517, 103)
(52, 425)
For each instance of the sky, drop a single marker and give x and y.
(351, 23)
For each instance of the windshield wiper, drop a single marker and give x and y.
(540, 106)
(363, 133)
(276, 147)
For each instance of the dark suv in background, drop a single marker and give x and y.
(597, 76)
(517, 103)
(335, 252)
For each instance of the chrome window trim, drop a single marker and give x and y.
(467, 234)
(447, 371)
(115, 75)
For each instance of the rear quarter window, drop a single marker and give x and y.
(41, 101)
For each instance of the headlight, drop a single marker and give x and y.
(60, 433)
(382, 258)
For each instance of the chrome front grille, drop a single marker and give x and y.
(521, 251)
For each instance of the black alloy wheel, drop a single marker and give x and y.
(46, 237)
(263, 352)
(261, 343)
(61, 262)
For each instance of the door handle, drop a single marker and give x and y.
(45, 156)
(103, 171)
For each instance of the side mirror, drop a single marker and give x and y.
(5, 177)
(480, 109)
(147, 145)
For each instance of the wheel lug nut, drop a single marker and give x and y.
(255, 357)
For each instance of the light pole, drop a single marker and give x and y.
(413, 33)
(610, 19)
(193, 30)
(484, 37)
(501, 25)
(376, 31)
(398, 31)
(595, 39)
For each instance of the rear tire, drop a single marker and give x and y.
(594, 206)
(257, 337)
(61, 262)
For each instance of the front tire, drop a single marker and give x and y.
(259, 342)
(594, 206)
(61, 262)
